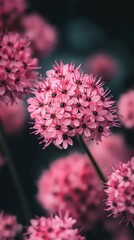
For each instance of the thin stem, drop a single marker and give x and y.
(14, 175)
(98, 170)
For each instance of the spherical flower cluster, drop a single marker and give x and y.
(17, 67)
(52, 228)
(120, 192)
(126, 109)
(13, 116)
(101, 64)
(42, 35)
(72, 183)
(69, 102)
(110, 151)
(10, 10)
(9, 227)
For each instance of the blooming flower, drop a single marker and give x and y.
(101, 64)
(110, 151)
(76, 100)
(126, 109)
(9, 227)
(52, 228)
(120, 192)
(71, 183)
(13, 116)
(17, 67)
(42, 35)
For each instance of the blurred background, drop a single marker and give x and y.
(100, 36)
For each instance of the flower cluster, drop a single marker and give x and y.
(69, 102)
(10, 10)
(42, 35)
(110, 151)
(13, 116)
(120, 192)
(126, 109)
(17, 67)
(101, 64)
(9, 227)
(52, 228)
(77, 189)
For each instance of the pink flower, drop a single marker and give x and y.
(71, 183)
(42, 35)
(110, 151)
(120, 192)
(17, 67)
(13, 116)
(126, 109)
(52, 228)
(9, 227)
(102, 64)
(74, 99)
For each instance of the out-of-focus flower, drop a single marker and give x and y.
(13, 116)
(17, 67)
(110, 152)
(120, 192)
(9, 227)
(10, 10)
(71, 183)
(42, 35)
(104, 65)
(126, 109)
(53, 228)
(69, 102)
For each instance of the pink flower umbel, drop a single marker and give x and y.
(17, 67)
(120, 192)
(42, 35)
(102, 64)
(13, 116)
(72, 183)
(110, 152)
(9, 227)
(126, 109)
(53, 228)
(73, 103)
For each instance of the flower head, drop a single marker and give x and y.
(9, 227)
(13, 116)
(42, 35)
(120, 192)
(52, 228)
(101, 64)
(75, 100)
(71, 183)
(126, 109)
(17, 67)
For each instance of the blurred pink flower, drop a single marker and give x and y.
(110, 151)
(120, 192)
(53, 228)
(126, 109)
(72, 183)
(102, 64)
(9, 227)
(13, 116)
(69, 102)
(42, 35)
(10, 10)
(17, 67)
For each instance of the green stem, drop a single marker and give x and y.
(86, 149)
(15, 178)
